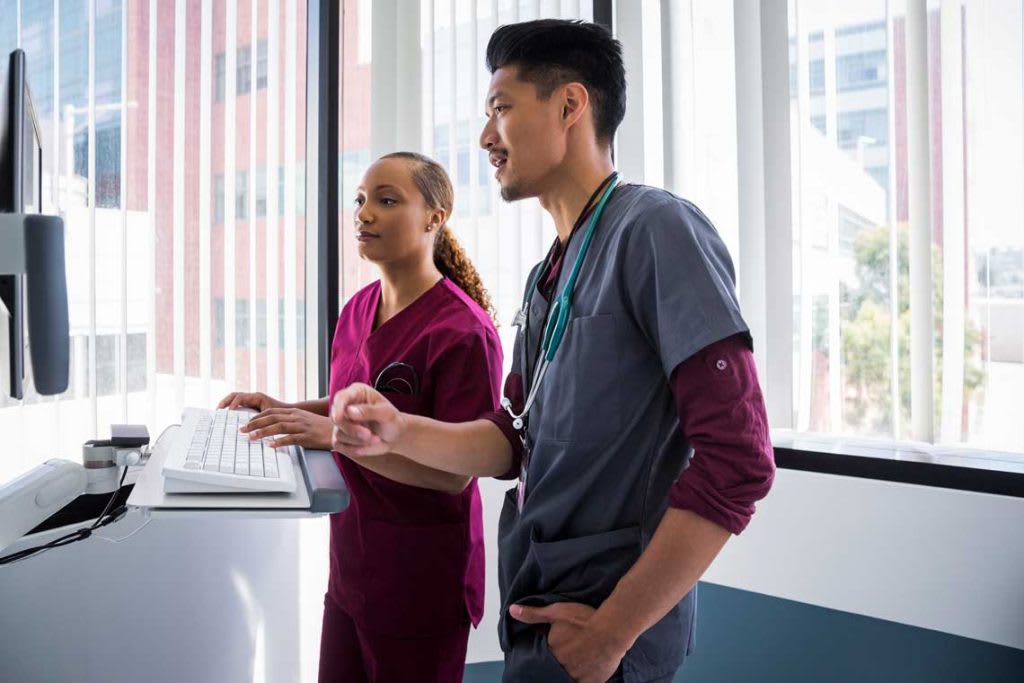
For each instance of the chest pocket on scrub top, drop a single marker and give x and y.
(586, 386)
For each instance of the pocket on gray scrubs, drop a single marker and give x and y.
(586, 568)
(592, 388)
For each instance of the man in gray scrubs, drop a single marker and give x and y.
(633, 418)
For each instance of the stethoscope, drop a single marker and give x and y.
(558, 316)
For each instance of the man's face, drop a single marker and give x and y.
(524, 135)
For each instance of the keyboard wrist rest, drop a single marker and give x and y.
(327, 490)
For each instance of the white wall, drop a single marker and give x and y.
(952, 561)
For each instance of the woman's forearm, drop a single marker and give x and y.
(320, 406)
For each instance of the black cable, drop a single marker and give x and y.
(106, 517)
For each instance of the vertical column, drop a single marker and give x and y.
(919, 209)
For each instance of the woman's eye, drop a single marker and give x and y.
(358, 201)
(388, 201)
(500, 108)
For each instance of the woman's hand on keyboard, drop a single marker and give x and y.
(291, 427)
(256, 401)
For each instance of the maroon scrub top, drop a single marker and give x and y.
(409, 561)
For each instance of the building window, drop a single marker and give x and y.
(137, 362)
(242, 195)
(261, 65)
(243, 70)
(218, 322)
(261, 323)
(106, 364)
(861, 70)
(218, 199)
(261, 192)
(871, 125)
(241, 323)
(219, 76)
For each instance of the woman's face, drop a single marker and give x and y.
(393, 223)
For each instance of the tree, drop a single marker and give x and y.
(865, 331)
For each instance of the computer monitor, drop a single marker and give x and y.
(43, 279)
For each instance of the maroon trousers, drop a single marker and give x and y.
(350, 654)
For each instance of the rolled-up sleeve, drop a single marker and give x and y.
(503, 421)
(722, 414)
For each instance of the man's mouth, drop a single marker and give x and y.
(498, 161)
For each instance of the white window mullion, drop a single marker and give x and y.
(427, 75)
(919, 210)
(230, 194)
(205, 169)
(250, 179)
(273, 252)
(178, 201)
(123, 193)
(805, 284)
(750, 166)
(453, 80)
(895, 397)
(954, 283)
(150, 247)
(778, 210)
(91, 195)
(55, 154)
(291, 96)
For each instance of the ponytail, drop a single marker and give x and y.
(453, 263)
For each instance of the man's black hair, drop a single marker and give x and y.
(553, 52)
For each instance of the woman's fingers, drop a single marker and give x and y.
(226, 401)
(282, 427)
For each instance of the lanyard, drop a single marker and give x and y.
(558, 316)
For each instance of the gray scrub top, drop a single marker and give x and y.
(604, 441)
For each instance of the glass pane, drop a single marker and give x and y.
(169, 187)
(844, 229)
(981, 50)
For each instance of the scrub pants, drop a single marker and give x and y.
(530, 660)
(350, 654)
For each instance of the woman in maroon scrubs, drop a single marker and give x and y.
(407, 556)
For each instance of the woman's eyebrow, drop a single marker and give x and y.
(386, 186)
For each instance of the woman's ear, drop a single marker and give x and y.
(436, 219)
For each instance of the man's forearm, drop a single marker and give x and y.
(405, 471)
(472, 449)
(683, 547)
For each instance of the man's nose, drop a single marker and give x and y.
(489, 135)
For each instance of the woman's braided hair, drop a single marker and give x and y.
(433, 183)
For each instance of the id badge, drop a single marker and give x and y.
(521, 486)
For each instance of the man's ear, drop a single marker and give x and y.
(575, 103)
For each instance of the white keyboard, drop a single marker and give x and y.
(210, 455)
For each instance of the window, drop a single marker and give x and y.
(137, 372)
(218, 199)
(243, 70)
(219, 76)
(863, 70)
(862, 365)
(261, 323)
(261, 192)
(157, 307)
(261, 65)
(242, 195)
(242, 323)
